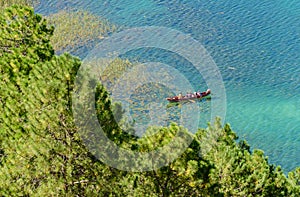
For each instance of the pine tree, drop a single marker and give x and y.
(41, 151)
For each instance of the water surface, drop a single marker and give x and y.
(256, 46)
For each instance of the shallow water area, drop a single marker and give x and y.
(255, 45)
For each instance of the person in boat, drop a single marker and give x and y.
(180, 96)
(199, 93)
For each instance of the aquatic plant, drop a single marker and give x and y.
(77, 28)
(7, 3)
(42, 153)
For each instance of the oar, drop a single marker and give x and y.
(191, 101)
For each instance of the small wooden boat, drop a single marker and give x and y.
(197, 95)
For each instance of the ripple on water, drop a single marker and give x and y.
(256, 45)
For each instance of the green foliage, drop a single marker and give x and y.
(23, 50)
(42, 153)
(294, 180)
(185, 176)
(24, 40)
(110, 117)
(237, 171)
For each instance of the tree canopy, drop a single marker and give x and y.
(42, 152)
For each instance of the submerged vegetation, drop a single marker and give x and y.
(6, 3)
(42, 153)
(77, 28)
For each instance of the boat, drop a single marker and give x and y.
(188, 97)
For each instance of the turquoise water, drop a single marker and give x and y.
(256, 45)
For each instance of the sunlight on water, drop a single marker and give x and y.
(256, 46)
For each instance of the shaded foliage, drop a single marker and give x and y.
(42, 153)
(240, 172)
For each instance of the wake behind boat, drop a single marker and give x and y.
(196, 95)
